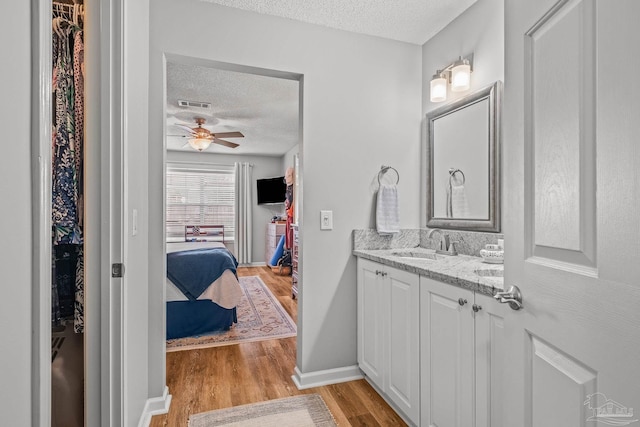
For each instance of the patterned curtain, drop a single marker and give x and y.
(243, 206)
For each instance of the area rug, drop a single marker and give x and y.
(299, 411)
(260, 317)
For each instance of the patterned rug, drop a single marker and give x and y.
(260, 317)
(299, 411)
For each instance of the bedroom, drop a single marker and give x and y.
(230, 182)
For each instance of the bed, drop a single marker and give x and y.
(202, 288)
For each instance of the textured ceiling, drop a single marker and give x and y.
(411, 21)
(264, 109)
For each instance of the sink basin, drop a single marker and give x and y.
(415, 255)
(489, 272)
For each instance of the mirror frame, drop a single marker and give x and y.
(493, 95)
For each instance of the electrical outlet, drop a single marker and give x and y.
(326, 220)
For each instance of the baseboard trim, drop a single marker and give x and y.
(155, 406)
(326, 377)
(254, 264)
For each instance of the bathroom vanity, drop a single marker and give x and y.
(430, 334)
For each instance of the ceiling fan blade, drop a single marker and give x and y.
(184, 127)
(225, 143)
(227, 134)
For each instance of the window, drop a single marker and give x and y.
(199, 196)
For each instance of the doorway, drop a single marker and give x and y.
(67, 237)
(79, 344)
(232, 98)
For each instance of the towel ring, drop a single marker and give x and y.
(384, 169)
(453, 171)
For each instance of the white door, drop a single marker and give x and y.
(572, 189)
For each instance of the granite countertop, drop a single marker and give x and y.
(465, 271)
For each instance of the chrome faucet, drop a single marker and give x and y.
(446, 247)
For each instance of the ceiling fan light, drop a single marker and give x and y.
(461, 76)
(199, 144)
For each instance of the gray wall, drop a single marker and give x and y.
(263, 167)
(479, 30)
(15, 218)
(361, 104)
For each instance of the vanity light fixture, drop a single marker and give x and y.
(199, 143)
(458, 74)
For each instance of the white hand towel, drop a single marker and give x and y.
(387, 210)
(457, 204)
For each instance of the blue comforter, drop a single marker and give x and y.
(194, 270)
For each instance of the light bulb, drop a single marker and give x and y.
(461, 76)
(438, 88)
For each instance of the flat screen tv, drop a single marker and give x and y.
(271, 190)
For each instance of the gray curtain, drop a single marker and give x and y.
(243, 206)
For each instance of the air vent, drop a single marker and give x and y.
(194, 104)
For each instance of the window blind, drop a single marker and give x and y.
(199, 197)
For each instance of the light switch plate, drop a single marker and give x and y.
(326, 220)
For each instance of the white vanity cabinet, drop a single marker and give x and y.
(388, 334)
(460, 356)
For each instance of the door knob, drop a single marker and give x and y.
(476, 307)
(462, 301)
(512, 296)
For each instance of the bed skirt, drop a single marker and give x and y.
(189, 318)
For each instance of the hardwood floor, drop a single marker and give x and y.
(220, 377)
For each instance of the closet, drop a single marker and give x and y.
(67, 207)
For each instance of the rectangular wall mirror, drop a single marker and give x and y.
(463, 163)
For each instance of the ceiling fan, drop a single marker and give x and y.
(200, 138)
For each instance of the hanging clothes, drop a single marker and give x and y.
(67, 174)
(78, 109)
(78, 313)
(65, 179)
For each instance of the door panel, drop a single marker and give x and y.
(489, 330)
(559, 384)
(404, 320)
(559, 174)
(447, 355)
(573, 251)
(370, 321)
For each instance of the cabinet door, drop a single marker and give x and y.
(403, 379)
(371, 321)
(489, 360)
(446, 354)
